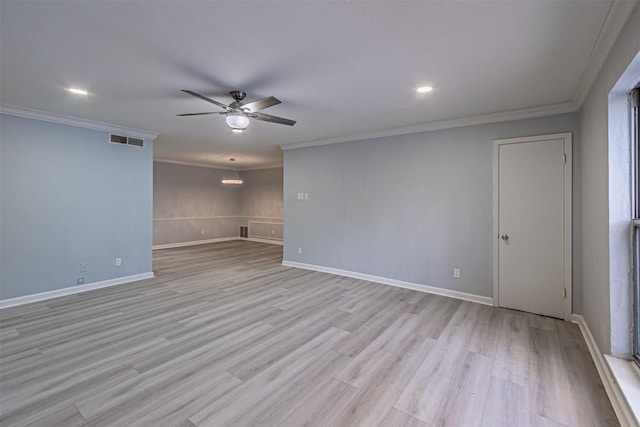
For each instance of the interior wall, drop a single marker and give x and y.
(409, 207)
(67, 197)
(261, 202)
(606, 243)
(261, 193)
(191, 204)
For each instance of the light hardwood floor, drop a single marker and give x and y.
(225, 335)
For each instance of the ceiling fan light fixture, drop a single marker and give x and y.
(237, 113)
(237, 121)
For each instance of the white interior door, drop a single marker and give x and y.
(533, 225)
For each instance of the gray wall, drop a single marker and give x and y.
(67, 197)
(261, 202)
(261, 193)
(603, 291)
(409, 207)
(191, 204)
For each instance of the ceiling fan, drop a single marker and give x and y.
(238, 113)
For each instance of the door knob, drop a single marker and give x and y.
(505, 237)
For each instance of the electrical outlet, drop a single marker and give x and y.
(118, 262)
(80, 280)
(202, 231)
(300, 196)
(456, 273)
(273, 231)
(299, 250)
(83, 267)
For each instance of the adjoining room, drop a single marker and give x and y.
(340, 213)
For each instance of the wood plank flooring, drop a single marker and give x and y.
(224, 335)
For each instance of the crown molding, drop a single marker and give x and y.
(209, 166)
(504, 116)
(613, 24)
(194, 164)
(28, 113)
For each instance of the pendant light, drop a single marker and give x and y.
(233, 180)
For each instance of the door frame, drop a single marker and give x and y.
(568, 195)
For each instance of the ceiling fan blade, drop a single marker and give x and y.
(261, 104)
(272, 119)
(198, 114)
(204, 98)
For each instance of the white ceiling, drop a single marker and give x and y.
(341, 69)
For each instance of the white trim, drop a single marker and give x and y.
(568, 218)
(13, 110)
(189, 218)
(568, 225)
(527, 113)
(627, 378)
(263, 217)
(618, 401)
(265, 222)
(614, 22)
(259, 240)
(495, 230)
(217, 217)
(193, 243)
(393, 282)
(12, 302)
(220, 239)
(263, 238)
(220, 167)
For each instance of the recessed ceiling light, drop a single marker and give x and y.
(78, 91)
(424, 89)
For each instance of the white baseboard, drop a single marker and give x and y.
(393, 282)
(221, 239)
(618, 401)
(12, 302)
(258, 239)
(193, 243)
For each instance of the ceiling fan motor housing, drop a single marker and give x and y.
(238, 95)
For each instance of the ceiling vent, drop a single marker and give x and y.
(126, 140)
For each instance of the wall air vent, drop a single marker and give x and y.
(117, 139)
(135, 141)
(126, 140)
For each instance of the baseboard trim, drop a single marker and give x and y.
(618, 401)
(393, 282)
(258, 239)
(221, 239)
(193, 243)
(12, 302)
